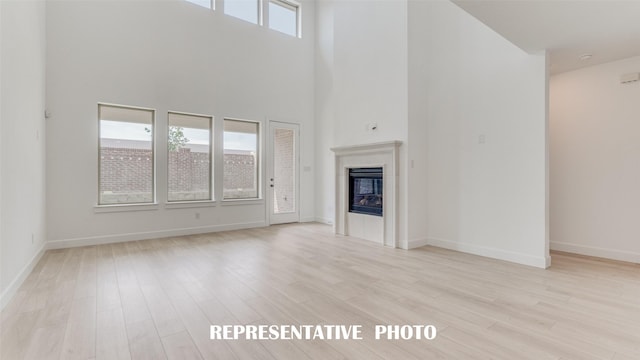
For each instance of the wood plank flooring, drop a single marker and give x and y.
(156, 299)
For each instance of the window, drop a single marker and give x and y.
(126, 161)
(284, 16)
(189, 157)
(240, 159)
(247, 10)
(204, 3)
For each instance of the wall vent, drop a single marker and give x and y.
(630, 78)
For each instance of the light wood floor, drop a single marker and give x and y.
(156, 299)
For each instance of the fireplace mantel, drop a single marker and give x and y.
(383, 230)
(367, 148)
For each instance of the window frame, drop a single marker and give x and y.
(259, 12)
(212, 4)
(258, 172)
(133, 205)
(211, 155)
(292, 5)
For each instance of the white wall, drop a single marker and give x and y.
(2, 287)
(361, 78)
(167, 56)
(417, 150)
(324, 108)
(595, 152)
(22, 98)
(486, 197)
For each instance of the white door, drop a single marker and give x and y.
(282, 185)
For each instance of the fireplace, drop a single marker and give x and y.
(365, 191)
(350, 160)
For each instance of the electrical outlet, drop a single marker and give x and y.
(197, 215)
(33, 239)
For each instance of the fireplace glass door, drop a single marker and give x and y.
(365, 191)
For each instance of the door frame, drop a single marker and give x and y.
(272, 218)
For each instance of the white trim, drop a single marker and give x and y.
(364, 148)
(519, 258)
(326, 221)
(416, 243)
(125, 207)
(235, 202)
(109, 239)
(13, 287)
(191, 114)
(133, 107)
(308, 219)
(620, 255)
(189, 204)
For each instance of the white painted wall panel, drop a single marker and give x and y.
(22, 224)
(482, 152)
(595, 157)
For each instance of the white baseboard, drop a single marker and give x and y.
(109, 239)
(307, 219)
(416, 243)
(519, 258)
(324, 221)
(620, 255)
(11, 290)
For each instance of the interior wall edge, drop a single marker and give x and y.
(416, 243)
(324, 220)
(15, 284)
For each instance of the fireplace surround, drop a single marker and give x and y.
(383, 228)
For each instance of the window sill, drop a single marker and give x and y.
(233, 202)
(189, 204)
(125, 208)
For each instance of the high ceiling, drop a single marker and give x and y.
(607, 29)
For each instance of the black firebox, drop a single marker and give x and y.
(365, 191)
